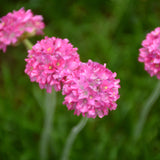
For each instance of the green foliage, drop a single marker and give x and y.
(105, 31)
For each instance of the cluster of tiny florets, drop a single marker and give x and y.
(150, 53)
(19, 25)
(91, 90)
(50, 61)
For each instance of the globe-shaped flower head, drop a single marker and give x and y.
(19, 25)
(91, 90)
(50, 61)
(150, 53)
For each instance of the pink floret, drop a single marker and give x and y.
(150, 53)
(91, 90)
(19, 25)
(50, 61)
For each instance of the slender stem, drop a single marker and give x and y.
(145, 110)
(49, 108)
(27, 44)
(74, 132)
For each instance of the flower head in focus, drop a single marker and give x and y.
(91, 90)
(19, 25)
(50, 61)
(150, 53)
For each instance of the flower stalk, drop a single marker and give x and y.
(27, 44)
(145, 111)
(74, 132)
(49, 108)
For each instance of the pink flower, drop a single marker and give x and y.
(19, 25)
(91, 90)
(150, 53)
(50, 61)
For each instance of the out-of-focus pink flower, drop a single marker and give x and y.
(91, 90)
(19, 25)
(50, 61)
(150, 53)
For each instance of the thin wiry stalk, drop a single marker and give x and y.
(74, 132)
(49, 108)
(145, 111)
(27, 44)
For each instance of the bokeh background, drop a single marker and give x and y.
(106, 31)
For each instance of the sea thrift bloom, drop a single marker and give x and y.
(50, 61)
(91, 90)
(19, 25)
(150, 53)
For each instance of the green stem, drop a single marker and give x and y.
(145, 110)
(74, 132)
(27, 44)
(49, 108)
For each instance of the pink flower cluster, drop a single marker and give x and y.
(150, 53)
(50, 61)
(91, 90)
(19, 25)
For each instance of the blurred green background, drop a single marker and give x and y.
(109, 32)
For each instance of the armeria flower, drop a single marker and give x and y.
(150, 53)
(91, 90)
(50, 61)
(19, 25)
